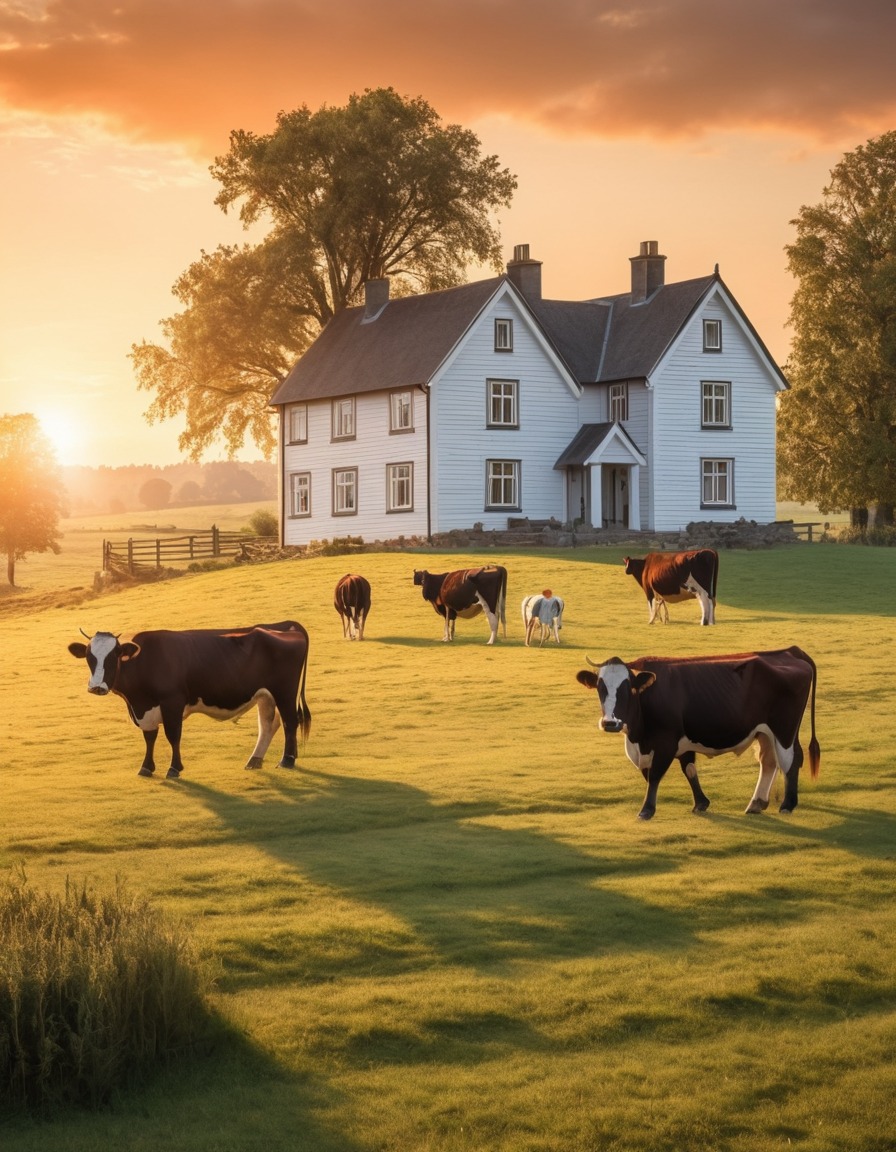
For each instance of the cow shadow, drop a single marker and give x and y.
(457, 887)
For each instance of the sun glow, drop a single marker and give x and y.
(64, 431)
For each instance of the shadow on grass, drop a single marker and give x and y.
(234, 1099)
(458, 889)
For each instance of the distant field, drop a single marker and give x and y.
(446, 929)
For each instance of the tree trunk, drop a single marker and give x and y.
(883, 515)
(11, 568)
(858, 518)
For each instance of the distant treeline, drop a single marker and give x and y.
(145, 486)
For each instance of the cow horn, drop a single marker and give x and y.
(588, 660)
(83, 633)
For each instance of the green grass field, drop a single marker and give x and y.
(446, 929)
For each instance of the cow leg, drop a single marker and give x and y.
(148, 766)
(791, 779)
(289, 714)
(688, 764)
(652, 603)
(173, 723)
(662, 758)
(362, 617)
(268, 723)
(768, 766)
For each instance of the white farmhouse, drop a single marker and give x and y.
(486, 402)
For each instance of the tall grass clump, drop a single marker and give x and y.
(880, 536)
(95, 990)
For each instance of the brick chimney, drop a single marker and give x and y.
(376, 297)
(524, 273)
(648, 271)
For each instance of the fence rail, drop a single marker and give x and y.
(134, 554)
(804, 529)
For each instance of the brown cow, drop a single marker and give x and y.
(352, 602)
(467, 592)
(164, 677)
(672, 708)
(668, 577)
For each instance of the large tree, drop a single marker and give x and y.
(377, 188)
(837, 424)
(32, 496)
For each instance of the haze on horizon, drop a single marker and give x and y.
(703, 126)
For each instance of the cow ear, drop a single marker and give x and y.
(643, 680)
(129, 650)
(78, 650)
(587, 679)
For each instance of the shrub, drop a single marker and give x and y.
(263, 522)
(882, 536)
(95, 989)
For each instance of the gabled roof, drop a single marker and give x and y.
(641, 333)
(589, 438)
(403, 346)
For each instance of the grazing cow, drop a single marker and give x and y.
(544, 612)
(672, 708)
(668, 577)
(466, 593)
(352, 602)
(166, 676)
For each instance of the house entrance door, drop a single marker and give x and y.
(614, 491)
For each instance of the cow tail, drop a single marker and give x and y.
(504, 600)
(814, 749)
(713, 592)
(304, 710)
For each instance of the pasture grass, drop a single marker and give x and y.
(446, 929)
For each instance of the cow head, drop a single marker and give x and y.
(618, 688)
(103, 654)
(418, 578)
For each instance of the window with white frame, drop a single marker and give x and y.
(619, 401)
(401, 412)
(399, 487)
(503, 335)
(502, 485)
(712, 335)
(716, 404)
(297, 423)
(717, 483)
(300, 494)
(503, 404)
(345, 491)
(344, 418)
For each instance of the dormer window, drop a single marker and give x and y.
(712, 335)
(503, 335)
(619, 401)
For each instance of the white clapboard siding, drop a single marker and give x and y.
(462, 443)
(679, 442)
(373, 448)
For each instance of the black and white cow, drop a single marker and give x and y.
(672, 708)
(543, 612)
(164, 677)
(352, 601)
(467, 592)
(668, 577)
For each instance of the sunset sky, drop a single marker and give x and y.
(703, 125)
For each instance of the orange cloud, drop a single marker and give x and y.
(191, 70)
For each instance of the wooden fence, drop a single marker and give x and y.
(135, 554)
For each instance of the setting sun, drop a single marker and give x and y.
(65, 433)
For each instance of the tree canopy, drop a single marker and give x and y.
(32, 496)
(377, 188)
(837, 424)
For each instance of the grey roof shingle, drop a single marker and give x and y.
(402, 347)
(599, 340)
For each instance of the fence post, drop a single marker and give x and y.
(158, 552)
(105, 555)
(131, 555)
(216, 544)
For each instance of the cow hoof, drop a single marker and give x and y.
(288, 762)
(787, 808)
(644, 814)
(144, 771)
(254, 762)
(172, 774)
(702, 806)
(755, 807)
